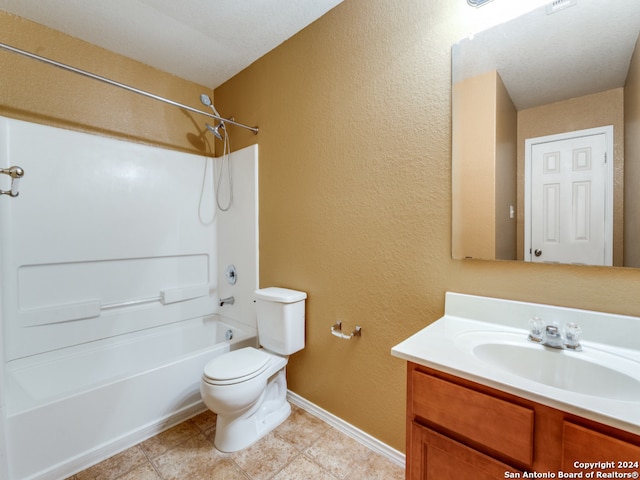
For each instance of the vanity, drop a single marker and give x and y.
(486, 402)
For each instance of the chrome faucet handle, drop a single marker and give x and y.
(536, 329)
(572, 334)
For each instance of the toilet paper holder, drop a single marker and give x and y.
(336, 330)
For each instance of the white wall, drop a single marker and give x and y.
(238, 234)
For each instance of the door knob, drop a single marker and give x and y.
(537, 252)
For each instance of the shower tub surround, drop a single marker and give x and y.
(112, 262)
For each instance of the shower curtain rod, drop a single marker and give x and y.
(121, 85)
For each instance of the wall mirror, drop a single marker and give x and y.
(546, 137)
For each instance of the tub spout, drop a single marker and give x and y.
(225, 301)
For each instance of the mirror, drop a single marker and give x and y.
(523, 92)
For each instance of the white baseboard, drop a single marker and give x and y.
(364, 438)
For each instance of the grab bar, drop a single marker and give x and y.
(60, 313)
(16, 173)
(92, 308)
(166, 297)
(173, 295)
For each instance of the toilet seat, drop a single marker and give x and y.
(236, 366)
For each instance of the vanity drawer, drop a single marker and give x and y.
(495, 424)
(437, 457)
(580, 444)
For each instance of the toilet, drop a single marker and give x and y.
(247, 388)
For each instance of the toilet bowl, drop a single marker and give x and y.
(247, 388)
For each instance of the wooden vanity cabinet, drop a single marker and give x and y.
(459, 430)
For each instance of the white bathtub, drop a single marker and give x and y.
(69, 409)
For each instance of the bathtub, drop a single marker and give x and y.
(69, 409)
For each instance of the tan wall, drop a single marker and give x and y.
(355, 196)
(506, 161)
(474, 177)
(355, 199)
(37, 92)
(590, 111)
(632, 163)
(483, 169)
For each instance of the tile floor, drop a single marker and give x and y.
(302, 448)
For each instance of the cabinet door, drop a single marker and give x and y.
(583, 445)
(437, 457)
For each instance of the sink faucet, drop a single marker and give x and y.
(551, 335)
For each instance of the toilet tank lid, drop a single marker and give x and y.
(282, 295)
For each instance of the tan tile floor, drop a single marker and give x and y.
(302, 448)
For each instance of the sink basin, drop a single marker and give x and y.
(590, 372)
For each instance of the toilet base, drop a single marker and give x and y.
(236, 433)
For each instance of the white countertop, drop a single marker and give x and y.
(445, 345)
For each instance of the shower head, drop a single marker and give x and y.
(206, 100)
(216, 130)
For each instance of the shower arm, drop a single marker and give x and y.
(122, 85)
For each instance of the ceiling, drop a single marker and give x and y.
(205, 41)
(544, 56)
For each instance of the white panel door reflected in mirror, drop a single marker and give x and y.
(569, 198)
(545, 73)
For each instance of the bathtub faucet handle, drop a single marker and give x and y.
(226, 301)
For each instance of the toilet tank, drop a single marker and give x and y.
(280, 318)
